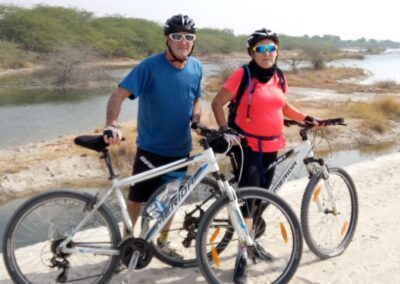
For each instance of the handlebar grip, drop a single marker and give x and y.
(334, 121)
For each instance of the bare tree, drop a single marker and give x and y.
(294, 60)
(68, 65)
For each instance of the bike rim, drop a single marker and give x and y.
(51, 220)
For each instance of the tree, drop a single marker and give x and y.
(65, 63)
(319, 55)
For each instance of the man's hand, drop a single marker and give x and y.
(112, 135)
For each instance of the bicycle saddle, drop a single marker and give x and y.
(92, 142)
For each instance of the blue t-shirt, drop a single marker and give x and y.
(166, 96)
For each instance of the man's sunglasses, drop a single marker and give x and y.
(265, 48)
(179, 37)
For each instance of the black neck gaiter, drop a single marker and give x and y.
(261, 74)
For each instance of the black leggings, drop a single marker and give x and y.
(251, 175)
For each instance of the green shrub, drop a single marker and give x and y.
(13, 57)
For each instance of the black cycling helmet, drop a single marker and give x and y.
(179, 23)
(259, 35)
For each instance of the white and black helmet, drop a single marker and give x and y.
(179, 23)
(259, 35)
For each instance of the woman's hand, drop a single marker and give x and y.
(312, 121)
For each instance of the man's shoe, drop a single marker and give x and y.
(239, 275)
(168, 249)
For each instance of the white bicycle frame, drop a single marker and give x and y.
(300, 152)
(208, 164)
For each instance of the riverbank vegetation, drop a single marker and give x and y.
(340, 79)
(29, 35)
(378, 115)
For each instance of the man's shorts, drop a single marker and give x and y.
(144, 161)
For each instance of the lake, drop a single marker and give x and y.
(382, 66)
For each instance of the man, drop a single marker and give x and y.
(168, 88)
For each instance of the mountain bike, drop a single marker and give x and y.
(329, 207)
(65, 236)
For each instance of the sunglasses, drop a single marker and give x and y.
(265, 48)
(179, 37)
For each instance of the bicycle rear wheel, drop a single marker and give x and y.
(182, 233)
(277, 252)
(42, 223)
(329, 213)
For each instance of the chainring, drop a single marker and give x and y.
(129, 246)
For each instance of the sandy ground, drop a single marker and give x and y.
(372, 257)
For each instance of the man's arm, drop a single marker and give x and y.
(196, 111)
(113, 109)
(114, 105)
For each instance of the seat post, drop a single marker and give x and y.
(107, 158)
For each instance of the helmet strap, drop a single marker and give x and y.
(176, 59)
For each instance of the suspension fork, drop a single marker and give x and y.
(235, 214)
(323, 172)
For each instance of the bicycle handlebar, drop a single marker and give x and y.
(324, 122)
(213, 138)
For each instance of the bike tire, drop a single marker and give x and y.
(335, 227)
(46, 219)
(285, 249)
(179, 228)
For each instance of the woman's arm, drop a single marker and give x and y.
(220, 100)
(291, 112)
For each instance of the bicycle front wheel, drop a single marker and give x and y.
(276, 232)
(42, 223)
(329, 213)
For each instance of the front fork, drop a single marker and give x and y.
(318, 167)
(235, 214)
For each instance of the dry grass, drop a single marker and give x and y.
(376, 115)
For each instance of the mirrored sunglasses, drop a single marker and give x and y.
(179, 37)
(265, 48)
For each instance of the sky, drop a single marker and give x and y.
(349, 19)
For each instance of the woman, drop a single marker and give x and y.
(259, 117)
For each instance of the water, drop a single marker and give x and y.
(383, 67)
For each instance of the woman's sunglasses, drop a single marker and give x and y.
(265, 48)
(179, 37)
